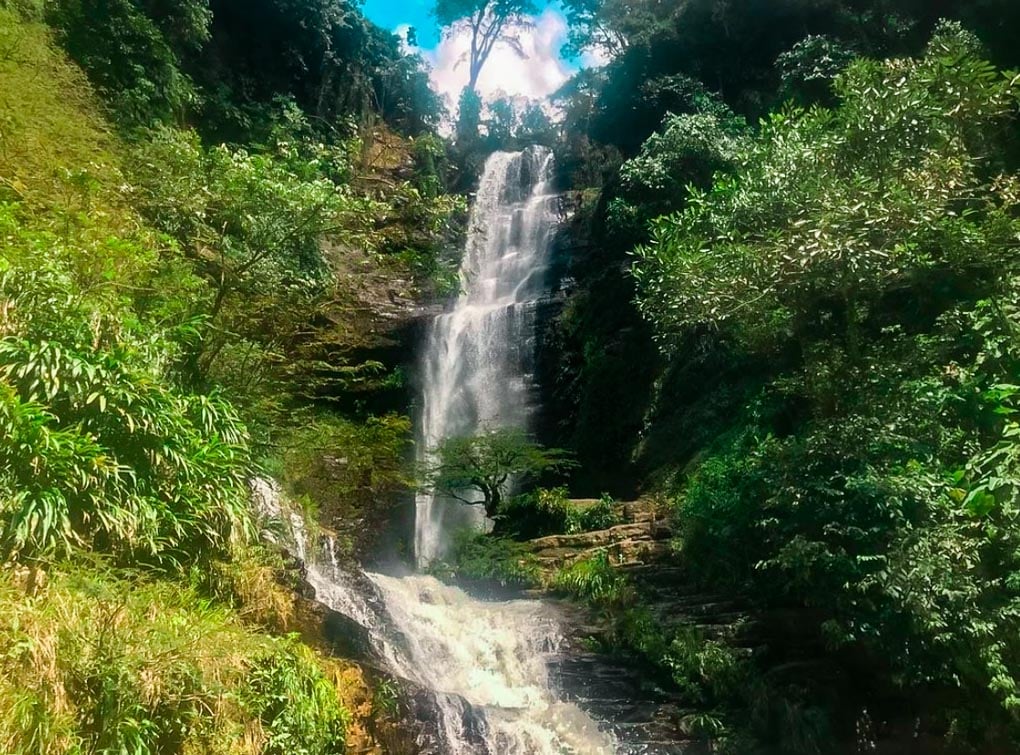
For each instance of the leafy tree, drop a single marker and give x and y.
(490, 23)
(868, 255)
(858, 202)
(688, 152)
(536, 126)
(809, 69)
(488, 464)
(130, 59)
(611, 26)
(501, 124)
(469, 118)
(252, 222)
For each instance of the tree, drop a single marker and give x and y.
(490, 22)
(611, 26)
(834, 210)
(487, 464)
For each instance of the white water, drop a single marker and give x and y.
(476, 368)
(486, 663)
(493, 656)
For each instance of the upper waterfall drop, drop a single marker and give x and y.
(478, 361)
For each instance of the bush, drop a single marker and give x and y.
(128, 58)
(602, 515)
(95, 663)
(551, 512)
(100, 448)
(593, 580)
(483, 557)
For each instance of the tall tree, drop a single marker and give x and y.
(490, 22)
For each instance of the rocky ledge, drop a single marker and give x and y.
(642, 537)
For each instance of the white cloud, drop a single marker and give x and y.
(401, 31)
(538, 75)
(594, 57)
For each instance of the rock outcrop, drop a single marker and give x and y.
(642, 537)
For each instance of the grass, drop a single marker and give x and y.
(99, 662)
(55, 143)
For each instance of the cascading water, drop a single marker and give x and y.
(485, 663)
(477, 362)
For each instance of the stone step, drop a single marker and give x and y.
(592, 539)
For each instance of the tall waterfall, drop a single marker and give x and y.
(478, 358)
(486, 664)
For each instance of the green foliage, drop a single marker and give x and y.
(99, 450)
(873, 246)
(832, 209)
(593, 580)
(610, 26)
(704, 670)
(159, 62)
(541, 512)
(551, 512)
(297, 705)
(385, 700)
(253, 225)
(602, 515)
(487, 463)
(687, 153)
(129, 58)
(810, 68)
(97, 663)
(257, 217)
(350, 470)
(478, 556)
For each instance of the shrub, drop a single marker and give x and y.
(593, 580)
(97, 453)
(549, 511)
(98, 446)
(96, 663)
(602, 515)
(482, 557)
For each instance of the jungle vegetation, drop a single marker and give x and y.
(790, 311)
(185, 192)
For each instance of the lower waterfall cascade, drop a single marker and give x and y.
(485, 663)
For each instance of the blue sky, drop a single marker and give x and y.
(390, 14)
(539, 74)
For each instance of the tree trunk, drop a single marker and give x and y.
(493, 498)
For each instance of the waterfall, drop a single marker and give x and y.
(486, 664)
(477, 364)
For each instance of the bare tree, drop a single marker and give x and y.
(490, 22)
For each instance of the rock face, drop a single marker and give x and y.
(641, 538)
(645, 717)
(625, 694)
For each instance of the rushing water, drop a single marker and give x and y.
(477, 363)
(484, 663)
